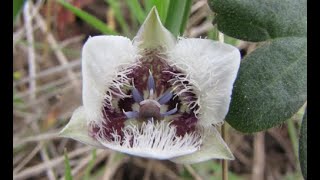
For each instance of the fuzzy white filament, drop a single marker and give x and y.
(153, 139)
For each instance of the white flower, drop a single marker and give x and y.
(156, 96)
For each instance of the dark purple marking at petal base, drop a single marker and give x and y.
(186, 123)
(125, 104)
(115, 123)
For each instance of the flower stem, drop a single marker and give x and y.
(294, 138)
(224, 162)
(223, 129)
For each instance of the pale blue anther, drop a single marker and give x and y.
(165, 98)
(131, 114)
(172, 111)
(136, 95)
(151, 83)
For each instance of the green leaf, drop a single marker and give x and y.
(136, 10)
(17, 6)
(271, 85)
(186, 14)
(179, 13)
(303, 146)
(88, 18)
(115, 5)
(260, 20)
(67, 173)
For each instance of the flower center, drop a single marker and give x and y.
(152, 90)
(150, 109)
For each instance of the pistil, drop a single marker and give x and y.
(149, 109)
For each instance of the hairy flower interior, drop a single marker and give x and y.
(157, 140)
(149, 96)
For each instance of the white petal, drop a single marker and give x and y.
(152, 34)
(213, 147)
(77, 129)
(153, 140)
(212, 67)
(103, 58)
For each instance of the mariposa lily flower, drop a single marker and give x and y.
(156, 96)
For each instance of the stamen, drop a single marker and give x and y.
(151, 94)
(165, 97)
(136, 95)
(172, 111)
(131, 114)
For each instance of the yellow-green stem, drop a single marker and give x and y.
(223, 130)
(224, 162)
(294, 138)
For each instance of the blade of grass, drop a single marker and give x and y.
(162, 7)
(136, 10)
(17, 6)
(177, 16)
(90, 165)
(67, 173)
(88, 18)
(148, 4)
(115, 5)
(134, 26)
(186, 14)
